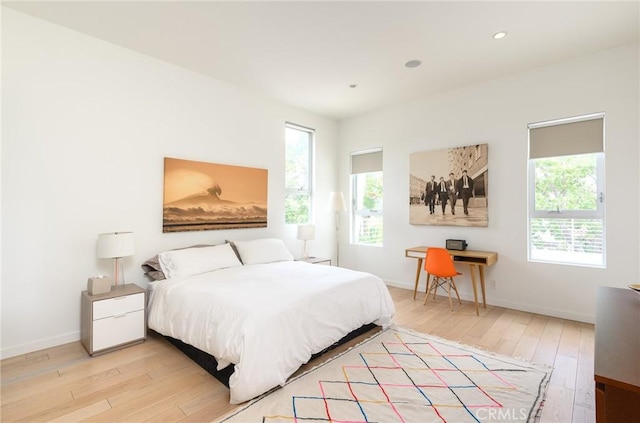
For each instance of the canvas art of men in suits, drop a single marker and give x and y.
(465, 190)
(464, 172)
(443, 193)
(451, 186)
(430, 194)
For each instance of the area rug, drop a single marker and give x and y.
(399, 375)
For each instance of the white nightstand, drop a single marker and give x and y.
(316, 260)
(113, 320)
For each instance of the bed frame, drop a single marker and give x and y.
(209, 363)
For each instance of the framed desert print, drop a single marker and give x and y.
(202, 196)
(449, 186)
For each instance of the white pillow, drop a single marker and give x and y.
(193, 261)
(260, 251)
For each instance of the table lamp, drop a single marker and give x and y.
(115, 245)
(306, 233)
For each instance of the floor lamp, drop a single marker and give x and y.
(337, 205)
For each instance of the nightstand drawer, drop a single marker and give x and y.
(119, 329)
(117, 306)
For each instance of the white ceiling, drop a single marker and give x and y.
(306, 54)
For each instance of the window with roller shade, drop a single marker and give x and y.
(298, 174)
(366, 197)
(566, 191)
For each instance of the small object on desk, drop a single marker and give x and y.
(635, 287)
(456, 244)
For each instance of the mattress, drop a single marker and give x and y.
(267, 319)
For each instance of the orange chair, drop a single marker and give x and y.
(439, 264)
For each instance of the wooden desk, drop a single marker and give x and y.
(475, 259)
(617, 350)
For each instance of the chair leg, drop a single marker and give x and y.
(428, 289)
(456, 289)
(432, 285)
(449, 293)
(440, 285)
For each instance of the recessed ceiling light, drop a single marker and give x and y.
(413, 63)
(499, 35)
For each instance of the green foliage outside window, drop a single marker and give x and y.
(563, 186)
(297, 176)
(296, 209)
(369, 220)
(297, 159)
(566, 183)
(373, 191)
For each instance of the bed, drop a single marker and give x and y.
(265, 317)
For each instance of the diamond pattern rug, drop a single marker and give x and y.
(399, 375)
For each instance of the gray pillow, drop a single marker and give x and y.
(235, 249)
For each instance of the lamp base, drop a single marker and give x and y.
(118, 269)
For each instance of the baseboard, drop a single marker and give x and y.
(530, 308)
(398, 284)
(39, 345)
(545, 311)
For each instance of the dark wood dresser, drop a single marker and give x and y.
(617, 355)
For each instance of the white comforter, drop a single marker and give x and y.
(267, 319)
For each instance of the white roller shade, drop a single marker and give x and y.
(366, 162)
(563, 139)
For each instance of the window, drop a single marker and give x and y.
(566, 191)
(298, 174)
(366, 188)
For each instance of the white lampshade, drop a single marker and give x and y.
(336, 202)
(306, 232)
(115, 244)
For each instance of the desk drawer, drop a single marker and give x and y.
(117, 306)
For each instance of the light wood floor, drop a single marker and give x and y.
(155, 382)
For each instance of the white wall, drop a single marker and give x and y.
(497, 113)
(86, 125)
